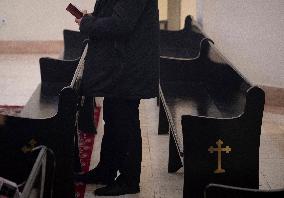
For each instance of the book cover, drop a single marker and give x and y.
(74, 11)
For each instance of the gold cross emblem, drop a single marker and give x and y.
(219, 149)
(28, 148)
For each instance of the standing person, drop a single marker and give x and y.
(122, 66)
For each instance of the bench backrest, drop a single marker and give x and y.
(223, 82)
(184, 43)
(73, 44)
(56, 74)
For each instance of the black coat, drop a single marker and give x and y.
(123, 56)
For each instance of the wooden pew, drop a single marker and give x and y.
(181, 44)
(184, 43)
(214, 116)
(43, 166)
(40, 164)
(49, 118)
(73, 44)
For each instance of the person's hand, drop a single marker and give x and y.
(84, 12)
(78, 21)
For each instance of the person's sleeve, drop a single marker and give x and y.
(126, 14)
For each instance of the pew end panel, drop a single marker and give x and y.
(235, 133)
(219, 150)
(56, 131)
(41, 177)
(37, 172)
(49, 118)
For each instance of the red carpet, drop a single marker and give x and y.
(10, 110)
(86, 142)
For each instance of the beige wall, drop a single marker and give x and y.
(178, 10)
(188, 7)
(250, 34)
(174, 9)
(38, 19)
(163, 9)
(44, 19)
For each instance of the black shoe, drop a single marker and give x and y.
(116, 189)
(94, 177)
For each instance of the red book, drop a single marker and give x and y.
(74, 11)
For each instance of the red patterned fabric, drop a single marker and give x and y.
(86, 143)
(10, 110)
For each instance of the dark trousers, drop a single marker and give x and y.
(86, 120)
(121, 147)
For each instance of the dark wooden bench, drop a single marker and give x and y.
(38, 180)
(214, 116)
(49, 118)
(184, 43)
(40, 165)
(225, 191)
(73, 44)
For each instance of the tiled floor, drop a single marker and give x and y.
(20, 74)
